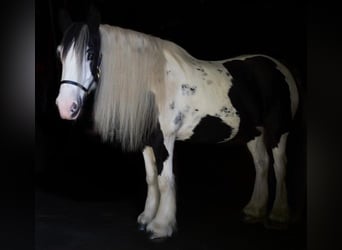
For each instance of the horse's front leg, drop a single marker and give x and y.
(152, 199)
(164, 223)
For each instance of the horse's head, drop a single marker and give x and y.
(80, 56)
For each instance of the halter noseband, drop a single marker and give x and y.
(78, 84)
(95, 78)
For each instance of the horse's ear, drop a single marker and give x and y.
(64, 20)
(94, 18)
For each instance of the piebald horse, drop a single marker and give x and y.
(150, 92)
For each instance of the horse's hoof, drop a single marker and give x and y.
(142, 227)
(251, 219)
(275, 225)
(157, 239)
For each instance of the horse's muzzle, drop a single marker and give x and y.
(69, 111)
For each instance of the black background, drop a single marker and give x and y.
(19, 155)
(214, 182)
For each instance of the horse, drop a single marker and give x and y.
(150, 92)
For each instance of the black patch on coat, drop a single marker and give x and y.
(261, 96)
(211, 130)
(156, 141)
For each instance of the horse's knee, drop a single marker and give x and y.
(262, 166)
(165, 183)
(151, 179)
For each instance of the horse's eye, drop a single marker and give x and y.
(90, 56)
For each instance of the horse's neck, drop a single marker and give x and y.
(179, 61)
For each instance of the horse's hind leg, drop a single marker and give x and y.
(152, 199)
(280, 210)
(256, 208)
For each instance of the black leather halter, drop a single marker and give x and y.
(95, 78)
(78, 84)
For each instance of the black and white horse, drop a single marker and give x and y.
(151, 92)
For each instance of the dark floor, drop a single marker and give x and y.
(62, 223)
(90, 197)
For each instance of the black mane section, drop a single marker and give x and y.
(94, 45)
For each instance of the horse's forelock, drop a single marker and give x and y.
(77, 35)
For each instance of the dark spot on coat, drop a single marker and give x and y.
(220, 70)
(179, 119)
(194, 112)
(226, 111)
(209, 82)
(172, 105)
(188, 90)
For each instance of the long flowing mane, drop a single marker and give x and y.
(133, 63)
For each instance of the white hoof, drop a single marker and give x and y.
(144, 218)
(256, 213)
(280, 215)
(160, 230)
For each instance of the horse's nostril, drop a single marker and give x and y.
(74, 107)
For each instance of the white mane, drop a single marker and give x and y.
(125, 108)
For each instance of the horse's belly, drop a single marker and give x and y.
(209, 129)
(206, 129)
